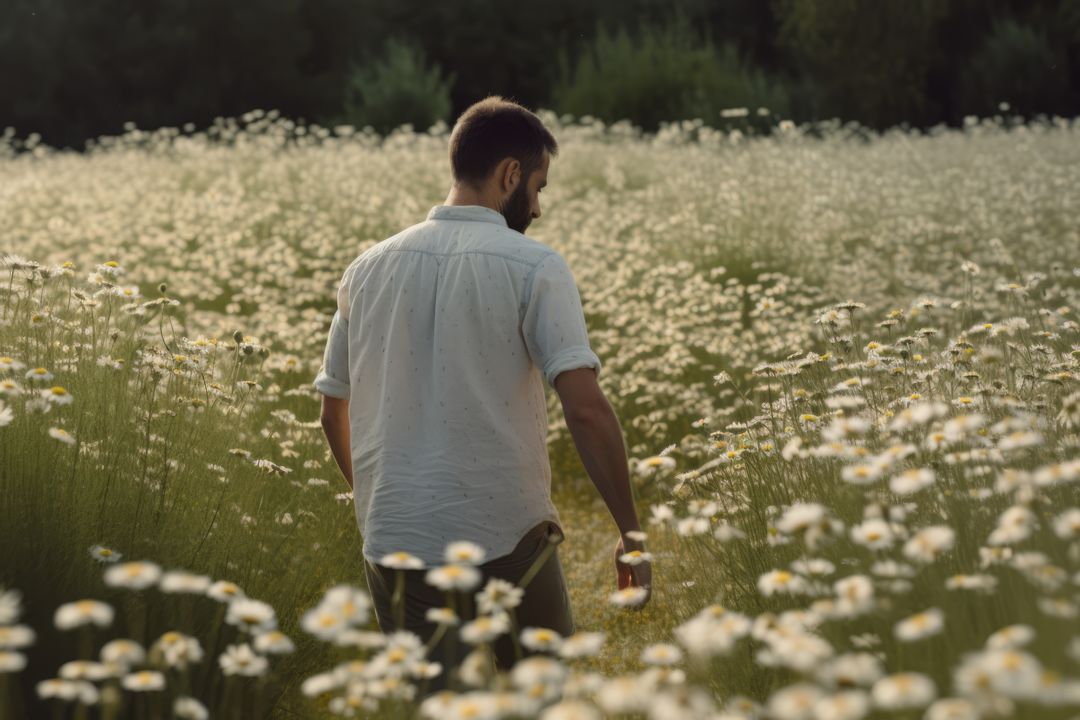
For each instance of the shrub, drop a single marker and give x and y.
(662, 74)
(396, 89)
(1016, 64)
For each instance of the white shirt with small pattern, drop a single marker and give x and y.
(443, 339)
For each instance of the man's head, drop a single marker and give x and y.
(501, 151)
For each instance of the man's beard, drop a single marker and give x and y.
(516, 209)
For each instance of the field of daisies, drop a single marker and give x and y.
(846, 366)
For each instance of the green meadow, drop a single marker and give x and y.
(846, 365)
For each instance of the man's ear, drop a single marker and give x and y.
(513, 165)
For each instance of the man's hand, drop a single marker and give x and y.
(639, 575)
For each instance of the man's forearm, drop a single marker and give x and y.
(600, 444)
(336, 430)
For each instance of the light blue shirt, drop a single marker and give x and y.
(443, 339)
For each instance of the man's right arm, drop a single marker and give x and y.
(598, 436)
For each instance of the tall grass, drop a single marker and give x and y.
(819, 346)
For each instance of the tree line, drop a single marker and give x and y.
(72, 70)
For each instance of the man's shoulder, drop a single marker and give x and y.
(490, 239)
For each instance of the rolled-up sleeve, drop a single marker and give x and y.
(333, 377)
(553, 323)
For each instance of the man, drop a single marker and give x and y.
(433, 385)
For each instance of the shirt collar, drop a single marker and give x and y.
(479, 213)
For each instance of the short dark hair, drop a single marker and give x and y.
(492, 129)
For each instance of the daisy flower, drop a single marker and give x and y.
(253, 616)
(498, 594)
(485, 628)
(62, 435)
(630, 596)
(83, 612)
(242, 660)
(104, 554)
(541, 639)
(136, 575)
(400, 560)
(919, 626)
(143, 681)
(582, 644)
(661, 654)
(454, 577)
(464, 551)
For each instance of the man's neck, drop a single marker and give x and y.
(466, 196)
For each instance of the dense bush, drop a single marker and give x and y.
(1016, 64)
(398, 88)
(660, 74)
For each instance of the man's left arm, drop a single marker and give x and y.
(335, 425)
(333, 382)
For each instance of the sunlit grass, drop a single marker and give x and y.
(818, 348)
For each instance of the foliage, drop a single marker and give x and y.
(1018, 65)
(662, 74)
(396, 89)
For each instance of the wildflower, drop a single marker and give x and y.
(6, 415)
(1014, 525)
(13, 637)
(62, 435)
(856, 595)
(443, 616)
(801, 516)
(661, 654)
(178, 581)
(952, 709)
(582, 644)
(273, 642)
(911, 481)
(11, 661)
(57, 395)
(252, 616)
(781, 582)
(903, 691)
(464, 551)
(630, 596)
(498, 594)
(795, 702)
(39, 373)
(224, 591)
(186, 707)
(654, 464)
(143, 681)
(544, 639)
(176, 650)
(1067, 524)
(104, 554)
(399, 560)
(1011, 637)
(860, 669)
(122, 652)
(454, 577)
(485, 628)
(845, 705)
(971, 582)
(929, 543)
(919, 626)
(83, 612)
(242, 660)
(136, 575)
(635, 557)
(875, 534)
(862, 473)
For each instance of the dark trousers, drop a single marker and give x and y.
(546, 602)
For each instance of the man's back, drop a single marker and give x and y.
(444, 337)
